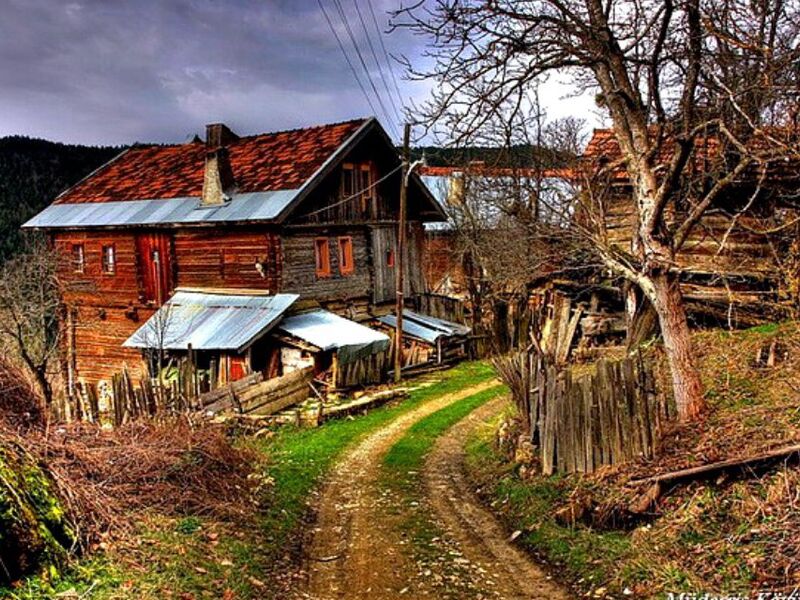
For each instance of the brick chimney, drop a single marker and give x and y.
(218, 179)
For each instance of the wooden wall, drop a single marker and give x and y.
(226, 258)
(743, 252)
(299, 266)
(105, 308)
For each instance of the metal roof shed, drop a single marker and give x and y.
(211, 321)
(328, 331)
(425, 328)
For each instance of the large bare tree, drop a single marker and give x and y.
(668, 74)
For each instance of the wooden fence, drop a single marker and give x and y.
(579, 423)
(368, 370)
(439, 306)
(125, 400)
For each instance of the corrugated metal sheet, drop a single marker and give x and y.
(255, 206)
(328, 331)
(424, 327)
(211, 321)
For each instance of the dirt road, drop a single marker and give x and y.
(493, 563)
(356, 549)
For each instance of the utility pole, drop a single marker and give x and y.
(399, 263)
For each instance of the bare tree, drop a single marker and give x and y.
(30, 303)
(668, 73)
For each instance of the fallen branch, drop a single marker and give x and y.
(658, 484)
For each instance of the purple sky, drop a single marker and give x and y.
(118, 71)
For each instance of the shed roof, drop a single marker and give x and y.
(426, 328)
(328, 331)
(211, 321)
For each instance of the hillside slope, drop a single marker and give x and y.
(32, 173)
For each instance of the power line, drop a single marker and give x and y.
(377, 61)
(349, 30)
(346, 57)
(386, 54)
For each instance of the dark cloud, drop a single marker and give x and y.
(114, 71)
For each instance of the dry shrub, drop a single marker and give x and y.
(175, 467)
(19, 403)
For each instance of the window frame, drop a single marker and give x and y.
(344, 247)
(348, 179)
(79, 258)
(366, 188)
(322, 257)
(108, 267)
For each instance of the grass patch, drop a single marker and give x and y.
(199, 557)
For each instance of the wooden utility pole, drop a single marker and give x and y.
(400, 257)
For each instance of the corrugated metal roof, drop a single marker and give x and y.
(423, 327)
(254, 206)
(446, 327)
(328, 331)
(211, 321)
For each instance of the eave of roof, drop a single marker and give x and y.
(211, 321)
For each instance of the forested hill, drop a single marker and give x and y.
(32, 173)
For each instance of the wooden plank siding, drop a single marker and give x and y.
(743, 252)
(299, 268)
(227, 258)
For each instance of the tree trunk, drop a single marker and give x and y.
(686, 383)
(44, 387)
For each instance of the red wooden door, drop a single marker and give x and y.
(238, 367)
(155, 257)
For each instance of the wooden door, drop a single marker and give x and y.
(154, 254)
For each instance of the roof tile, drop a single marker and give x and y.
(272, 161)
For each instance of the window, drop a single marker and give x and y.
(348, 180)
(366, 186)
(357, 181)
(346, 265)
(109, 260)
(322, 257)
(390, 258)
(78, 258)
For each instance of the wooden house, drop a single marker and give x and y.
(731, 262)
(309, 212)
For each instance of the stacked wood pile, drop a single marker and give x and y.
(261, 398)
(612, 415)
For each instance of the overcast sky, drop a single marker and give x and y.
(119, 71)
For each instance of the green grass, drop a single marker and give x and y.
(198, 556)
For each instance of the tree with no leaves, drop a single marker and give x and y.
(30, 301)
(668, 73)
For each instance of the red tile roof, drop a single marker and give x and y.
(708, 154)
(272, 161)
